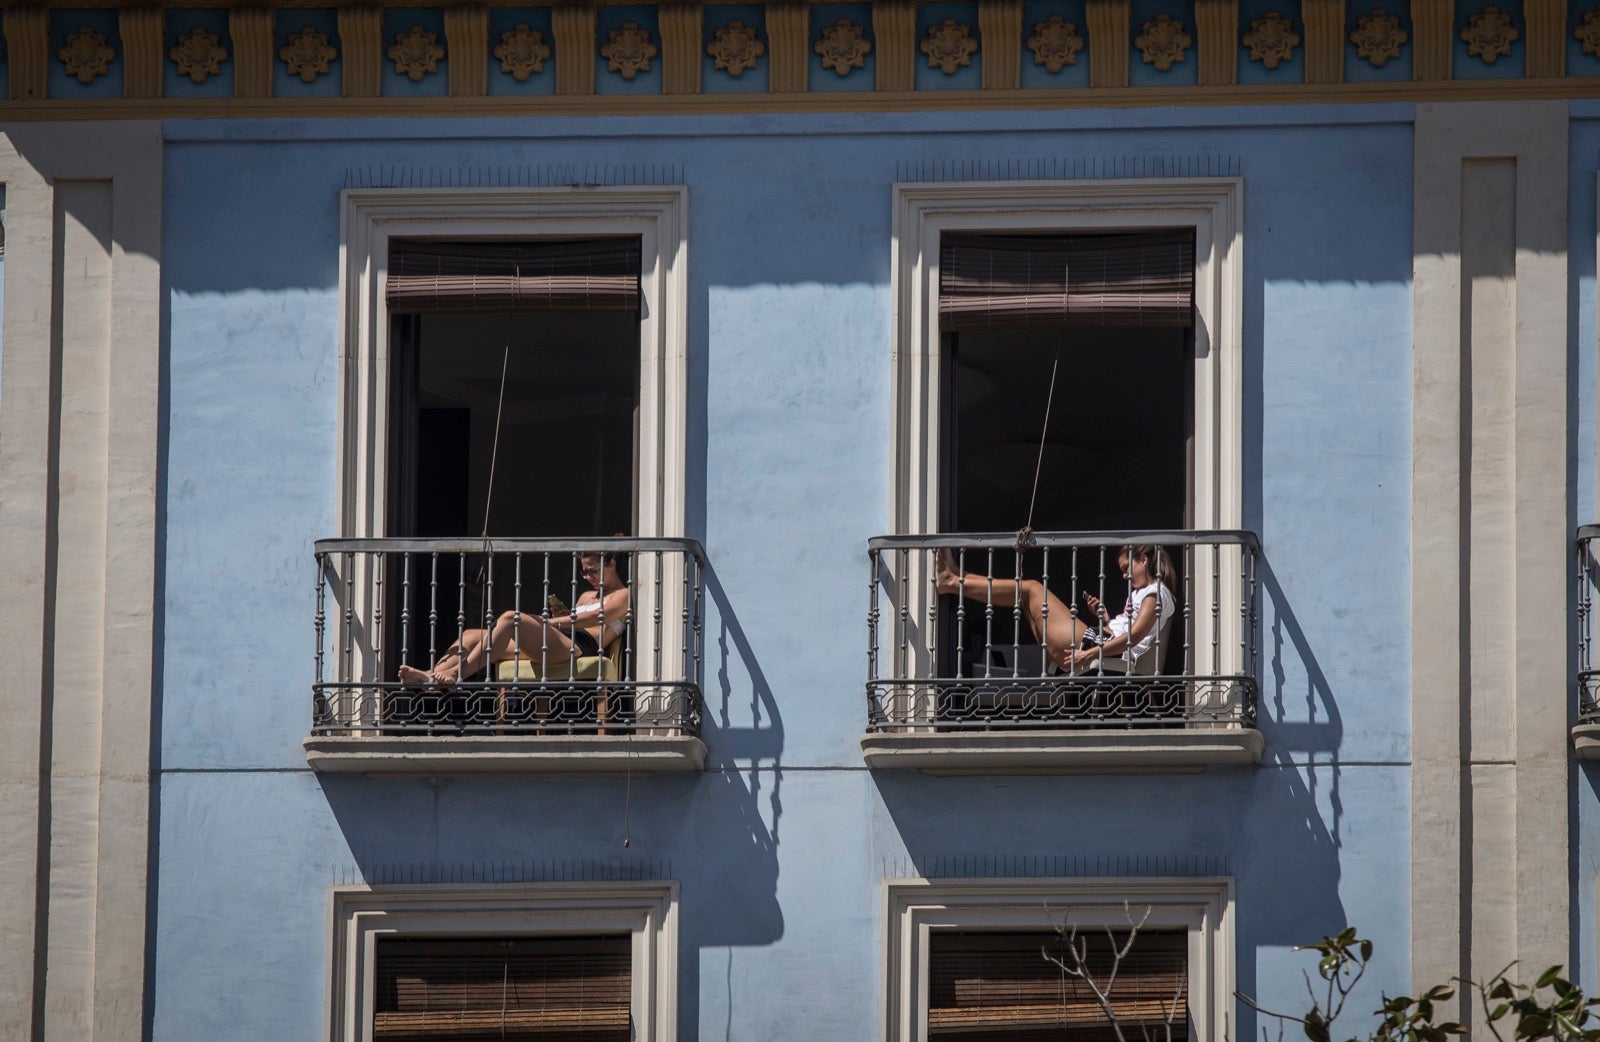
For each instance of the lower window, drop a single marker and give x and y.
(1023, 960)
(525, 963)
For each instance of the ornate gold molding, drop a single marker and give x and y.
(87, 54)
(788, 36)
(1546, 22)
(521, 52)
(1000, 31)
(1271, 39)
(682, 30)
(1217, 28)
(628, 50)
(573, 26)
(1431, 51)
(198, 54)
(308, 54)
(141, 30)
(28, 51)
(1055, 44)
(466, 39)
(1324, 27)
(894, 34)
(361, 37)
(736, 48)
(949, 46)
(415, 53)
(251, 27)
(1163, 41)
(1378, 37)
(1108, 38)
(843, 46)
(1489, 34)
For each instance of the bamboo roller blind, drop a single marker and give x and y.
(1036, 281)
(549, 989)
(590, 275)
(998, 987)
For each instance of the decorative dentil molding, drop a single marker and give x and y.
(199, 54)
(521, 51)
(1271, 39)
(843, 46)
(1055, 44)
(416, 53)
(736, 47)
(628, 50)
(1378, 37)
(308, 54)
(949, 46)
(86, 54)
(1489, 34)
(1163, 42)
(1588, 31)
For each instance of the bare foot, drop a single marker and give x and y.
(413, 675)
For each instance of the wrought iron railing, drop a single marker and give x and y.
(383, 603)
(1588, 583)
(938, 660)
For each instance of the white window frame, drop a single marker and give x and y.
(916, 908)
(658, 215)
(1213, 207)
(361, 915)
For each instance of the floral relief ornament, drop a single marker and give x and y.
(736, 47)
(307, 54)
(1588, 31)
(629, 50)
(949, 45)
(1163, 42)
(522, 52)
(1055, 43)
(1271, 39)
(1489, 34)
(843, 46)
(1378, 37)
(416, 53)
(198, 54)
(86, 54)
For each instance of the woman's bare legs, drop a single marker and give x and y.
(1050, 618)
(513, 632)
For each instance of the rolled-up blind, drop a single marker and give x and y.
(551, 989)
(989, 987)
(1038, 282)
(589, 275)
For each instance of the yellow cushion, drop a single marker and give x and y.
(585, 667)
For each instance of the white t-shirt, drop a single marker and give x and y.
(1130, 611)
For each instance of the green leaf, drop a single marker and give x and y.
(1366, 950)
(1499, 1011)
(1316, 1027)
(1548, 976)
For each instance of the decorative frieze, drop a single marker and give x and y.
(251, 26)
(198, 54)
(521, 52)
(736, 48)
(949, 46)
(1217, 27)
(1489, 34)
(1324, 24)
(1271, 39)
(1163, 42)
(87, 54)
(1546, 23)
(1055, 43)
(416, 53)
(1378, 37)
(27, 30)
(141, 30)
(843, 46)
(573, 26)
(1000, 31)
(361, 38)
(1588, 32)
(894, 32)
(682, 36)
(1434, 42)
(788, 40)
(308, 54)
(1108, 42)
(629, 49)
(466, 38)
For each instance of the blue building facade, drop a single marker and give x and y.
(1388, 388)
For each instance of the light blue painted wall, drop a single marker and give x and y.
(782, 846)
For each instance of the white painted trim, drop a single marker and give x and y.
(359, 915)
(1213, 207)
(658, 215)
(916, 907)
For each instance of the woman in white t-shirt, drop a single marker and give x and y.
(1132, 636)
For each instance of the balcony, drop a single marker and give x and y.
(630, 702)
(1586, 733)
(960, 683)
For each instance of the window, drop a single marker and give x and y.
(965, 961)
(533, 963)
